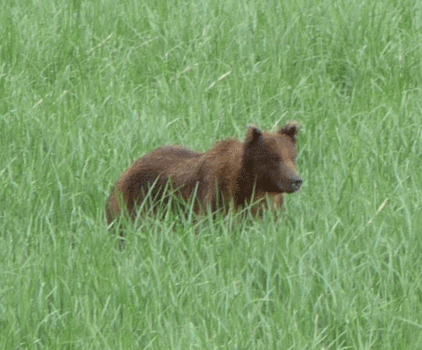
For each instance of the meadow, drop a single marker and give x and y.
(87, 87)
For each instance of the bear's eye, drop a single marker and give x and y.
(273, 161)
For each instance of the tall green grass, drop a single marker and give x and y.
(86, 87)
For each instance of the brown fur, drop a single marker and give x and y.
(232, 172)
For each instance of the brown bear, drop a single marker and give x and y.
(232, 173)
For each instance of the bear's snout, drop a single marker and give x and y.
(294, 184)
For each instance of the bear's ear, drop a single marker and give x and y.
(291, 129)
(253, 134)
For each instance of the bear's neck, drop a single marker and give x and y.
(246, 183)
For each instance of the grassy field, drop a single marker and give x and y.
(86, 87)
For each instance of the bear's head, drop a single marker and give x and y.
(271, 157)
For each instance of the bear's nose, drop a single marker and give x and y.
(295, 184)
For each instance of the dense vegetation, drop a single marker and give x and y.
(86, 87)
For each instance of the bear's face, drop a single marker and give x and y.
(272, 158)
